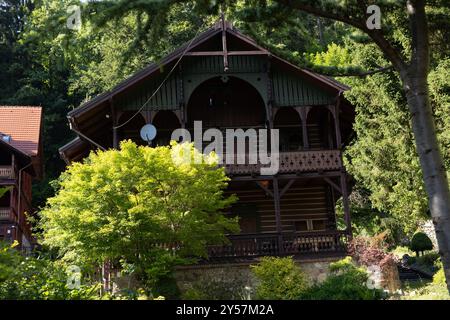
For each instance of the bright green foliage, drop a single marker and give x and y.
(126, 206)
(279, 279)
(32, 278)
(345, 282)
(420, 242)
(3, 191)
(439, 277)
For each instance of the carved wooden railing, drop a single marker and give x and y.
(5, 214)
(254, 245)
(6, 172)
(291, 162)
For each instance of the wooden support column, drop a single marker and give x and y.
(346, 203)
(114, 119)
(224, 44)
(276, 197)
(303, 112)
(337, 125)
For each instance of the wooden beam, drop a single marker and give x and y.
(229, 53)
(334, 185)
(278, 214)
(204, 53)
(337, 124)
(346, 203)
(264, 188)
(224, 44)
(114, 119)
(299, 176)
(286, 187)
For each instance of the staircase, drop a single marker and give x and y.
(411, 274)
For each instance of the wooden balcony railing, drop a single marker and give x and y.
(254, 245)
(291, 162)
(5, 214)
(6, 172)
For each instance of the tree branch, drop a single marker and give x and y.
(377, 36)
(353, 74)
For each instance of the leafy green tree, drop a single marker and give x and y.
(141, 208)
(420, 242)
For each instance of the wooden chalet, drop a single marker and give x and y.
(226, 80)
(20, 163)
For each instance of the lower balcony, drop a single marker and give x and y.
(249, 246)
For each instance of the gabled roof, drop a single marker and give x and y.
(197, 41)
(23, 124)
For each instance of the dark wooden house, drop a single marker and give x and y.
(226, 80)
(20, 163)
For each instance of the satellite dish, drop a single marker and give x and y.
(148, 132)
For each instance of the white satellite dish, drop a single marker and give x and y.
(148, 132)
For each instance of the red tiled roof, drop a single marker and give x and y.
(23, 124)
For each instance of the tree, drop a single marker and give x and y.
(383, 158)
(141, 208)
(412, 65)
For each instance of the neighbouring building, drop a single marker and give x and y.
(226, 80)
(20, 163)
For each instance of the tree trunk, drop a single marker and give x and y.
(433, 170)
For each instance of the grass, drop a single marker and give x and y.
(423, 290)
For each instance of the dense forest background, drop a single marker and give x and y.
(43, 62)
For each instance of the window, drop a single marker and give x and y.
(301, 225)
(310, 225)
(318, 225)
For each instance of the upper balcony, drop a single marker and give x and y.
(294, 162)
(7, 172)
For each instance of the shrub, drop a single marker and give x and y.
(30, 278)
(368, 251)
(420, 242)
(279, 279)
(345, 282)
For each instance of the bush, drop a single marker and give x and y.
(346, 282)
(30, 278)
(279, 279)
(420, 242)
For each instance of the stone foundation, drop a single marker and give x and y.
(235, 280)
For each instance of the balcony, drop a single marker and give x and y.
(293, 162)
(248, 246)
(6, 172)
(5, 214)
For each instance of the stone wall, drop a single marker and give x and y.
(235, 281)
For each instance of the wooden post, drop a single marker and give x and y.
(114, 123)
(337, 123)
(276, 197)
(224, 44)
(345, 203)
(303, 112)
